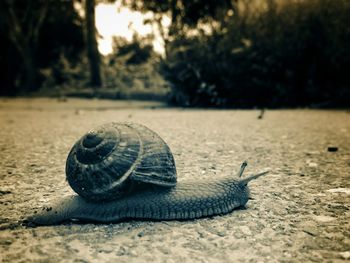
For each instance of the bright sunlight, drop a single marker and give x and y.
(116, 20)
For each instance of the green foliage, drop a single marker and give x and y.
(137, 52)
(36, 34)
(65, 74)
(295, 55)
(129, 71)
(133, 66)
(183, 12)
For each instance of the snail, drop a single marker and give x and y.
(126, 171)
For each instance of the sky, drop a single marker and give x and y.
(114, 20)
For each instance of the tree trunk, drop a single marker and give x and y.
(30, 71)
(25, 38)
(92, 51)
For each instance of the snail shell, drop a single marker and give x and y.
(113, 159)
(126, 171)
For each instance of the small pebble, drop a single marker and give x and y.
(345, 255)
(311, 164)
(324, 219)
(245, 230)
(332, 149)
(339, 190)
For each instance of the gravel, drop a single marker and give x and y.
(298, 213)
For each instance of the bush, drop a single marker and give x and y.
(131, 68)
(295, 55)
(65, 74)
(133, 65)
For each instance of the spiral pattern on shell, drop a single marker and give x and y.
(110, 160)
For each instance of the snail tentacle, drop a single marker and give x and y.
(246, 180)
(241, 170)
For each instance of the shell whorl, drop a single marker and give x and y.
(109, 160)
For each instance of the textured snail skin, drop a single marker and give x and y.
(187, 200)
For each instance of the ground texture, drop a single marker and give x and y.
(300, 212)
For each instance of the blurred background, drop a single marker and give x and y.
(199, 53)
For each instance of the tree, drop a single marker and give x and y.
(184, 12)
(24, 21)
(91, 42)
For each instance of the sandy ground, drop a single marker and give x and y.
(300, 212)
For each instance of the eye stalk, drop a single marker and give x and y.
(241, 170)
(246, 180)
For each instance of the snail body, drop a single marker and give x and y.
(111, 188)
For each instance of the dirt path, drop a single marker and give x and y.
(299, 213)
